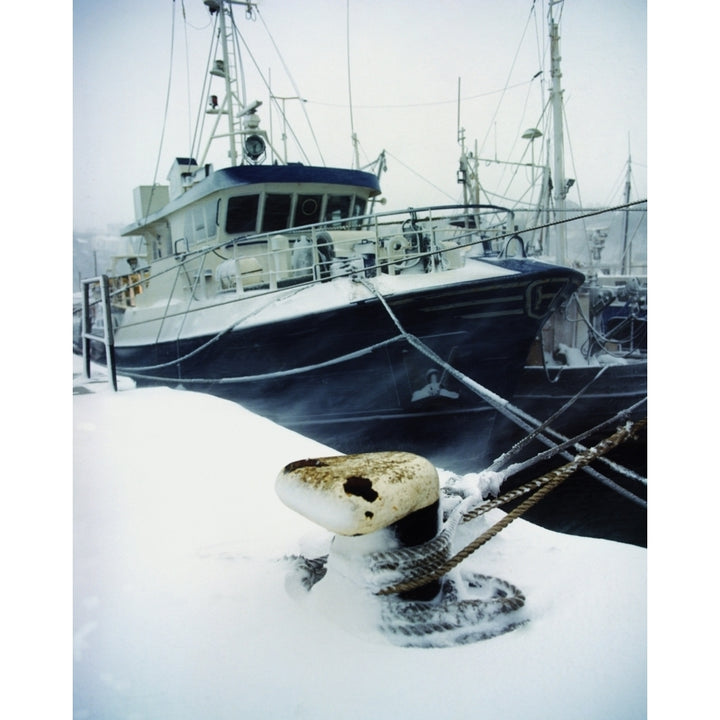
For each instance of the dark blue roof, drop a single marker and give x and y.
(258, 174)
(296, 173)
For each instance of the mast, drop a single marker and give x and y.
(627, 249)
(467, 174)
(462, 176)
(247, 142)
(560, 184)
(228, 84)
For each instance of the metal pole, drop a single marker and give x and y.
(556, 100)
(108, 338)
(627, 248)
(109, 334)
(86, 326)
(228, 88)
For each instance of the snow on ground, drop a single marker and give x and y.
(183, 606)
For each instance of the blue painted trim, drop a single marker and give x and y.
(244, 175)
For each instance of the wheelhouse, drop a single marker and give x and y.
(201, 207)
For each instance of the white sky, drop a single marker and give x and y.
(405, 60)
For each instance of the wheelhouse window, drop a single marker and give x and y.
(242, 214)
(199, 218)
(200, 223)
(359, 207)
(190, 228)
(308, 209)
(276, 214)
(211, 211)
(338, 206)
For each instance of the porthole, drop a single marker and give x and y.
(309, 207)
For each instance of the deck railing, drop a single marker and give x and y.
(90, 307)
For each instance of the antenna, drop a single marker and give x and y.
(353, 135)
(460, 134)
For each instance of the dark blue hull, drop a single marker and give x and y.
(585, 505)
(379, 399)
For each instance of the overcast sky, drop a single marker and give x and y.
(405, 59)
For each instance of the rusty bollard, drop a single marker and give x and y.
(371, 501)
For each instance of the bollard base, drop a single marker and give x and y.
(468, 608)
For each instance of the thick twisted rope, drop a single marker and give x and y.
(550, 481)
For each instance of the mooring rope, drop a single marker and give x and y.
(621, 416)
(431, 571)
(500, 461)
(470, 606)
(176, 361)
(278, 373)
(524, 420)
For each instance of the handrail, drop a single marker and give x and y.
(266, 279)
(87, 336)
(376, 224)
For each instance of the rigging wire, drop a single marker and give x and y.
(635, 234)
(269, 89)
(540, 45)
(279, 108)
(540, 75)
(353, 136)
(603, 339)
(531, 186)
(433, 103)
(504, 90)
(292, 81)
(366, 157)
(187, 77)
(201, 115)
(415, 172)
(240, 74)
(146, 210)
(616, 186)
(505, 194)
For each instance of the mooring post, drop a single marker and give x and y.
(108, 338)
(85, 327)
(382, 501)
(109, 334)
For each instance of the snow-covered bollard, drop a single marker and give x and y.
(384, 509)
(372, 501)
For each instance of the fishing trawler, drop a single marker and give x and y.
(276, 285)
(586, 372)
(604, 326)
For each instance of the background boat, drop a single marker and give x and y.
(587, 370)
